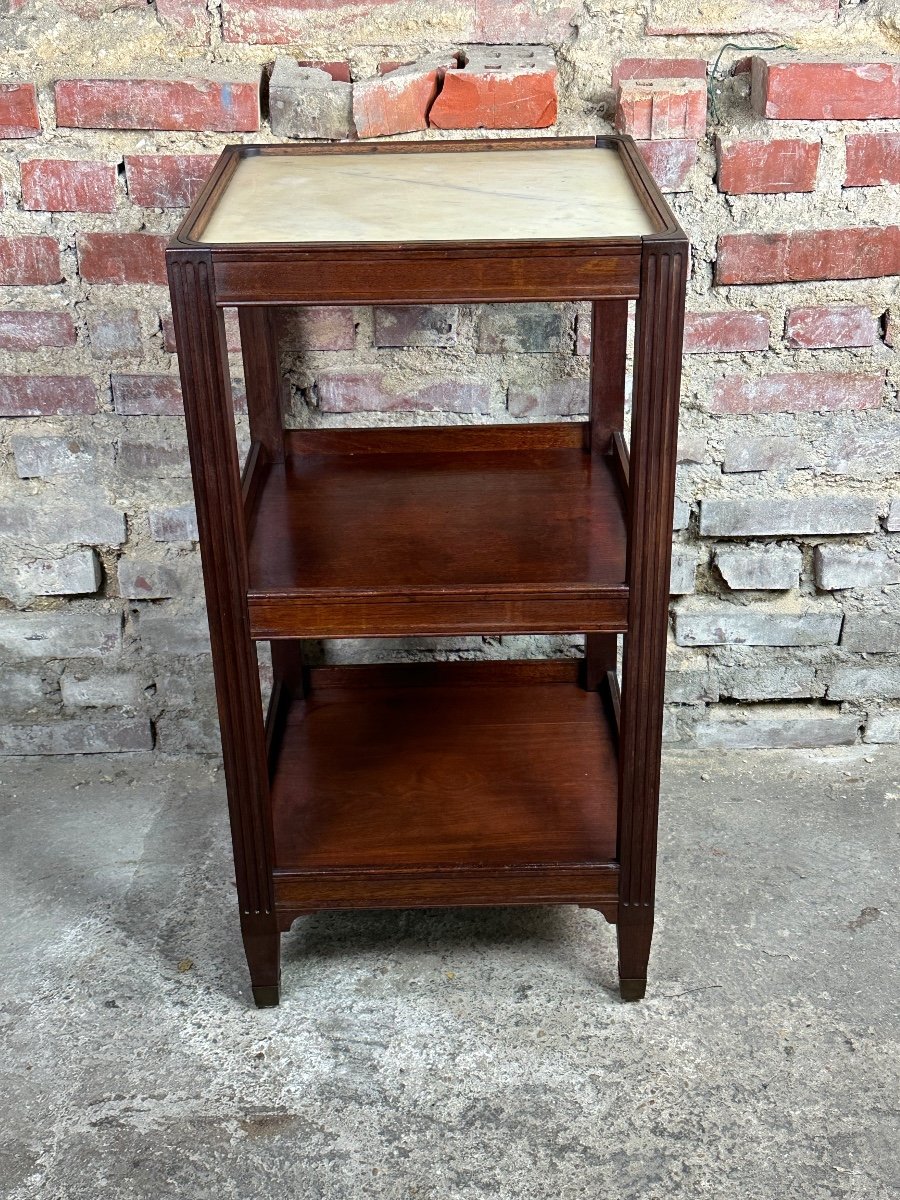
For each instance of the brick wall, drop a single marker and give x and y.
(786, 628)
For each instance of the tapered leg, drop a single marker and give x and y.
(654, 433)
(633, 937)
(209, 416)
(262, 945)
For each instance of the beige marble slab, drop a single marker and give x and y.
(465, 196)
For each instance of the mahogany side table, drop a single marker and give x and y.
(459, 783)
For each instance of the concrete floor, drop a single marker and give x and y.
(458, 1054)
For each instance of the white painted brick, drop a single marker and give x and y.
(144, 579)
(855, 683)
(71, 523)
(63, 634)
(681, 516)
(779, 682)
(758, 625)
(683, 573)
(115, 690)
(99, 736)
(764, 454)
(21, 690)
(72, 574)
(892, 521)
(837, 568)
(763, 568)
(691, 687)
(161, 634)
(883, 726)
(871, 633)
(42, 457)
(782, 515)
(761, 726)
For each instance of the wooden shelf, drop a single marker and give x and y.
(460, 771)
(479, 529)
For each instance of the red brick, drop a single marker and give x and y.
(661, 108)
(797, 392)
(780, 165)
(509, 87)
(339, 71)
(189, 16)
(35, 330)
(318, 328)
(499, 21)
(872, 159)
(808, 254)
(794, 90)
(725, 332)
(122, 257)
(185, 104)
(46, 395)
(18, 110)
(366, 391)
(60, 185)
(399, 101)
(29, 260)
(658, 68)
(146, 395)
(166, 180)
(679, 17)
(670, 162)
(815, 327)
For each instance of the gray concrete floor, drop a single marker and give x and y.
(458, 1054)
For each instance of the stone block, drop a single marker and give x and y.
(44, 456)
(166, 636)
(781, 515)
(116, 689)
(760, 568)
(776, 726)
(781, 681)
(837, 568)
(144, 579)
(77, 523)
(101, 735)
(892, 520)
(64, 634)
(305, 102)
(683, 573)
(869, 683)
(882, 727)
(721, 624)
(765, 454)
(74, 574)
(871, 633)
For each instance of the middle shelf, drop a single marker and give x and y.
(431, 531)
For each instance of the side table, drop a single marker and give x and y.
(458, 783)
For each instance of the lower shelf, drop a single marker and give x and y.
(447, 783)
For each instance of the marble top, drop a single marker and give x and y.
(426, 197)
